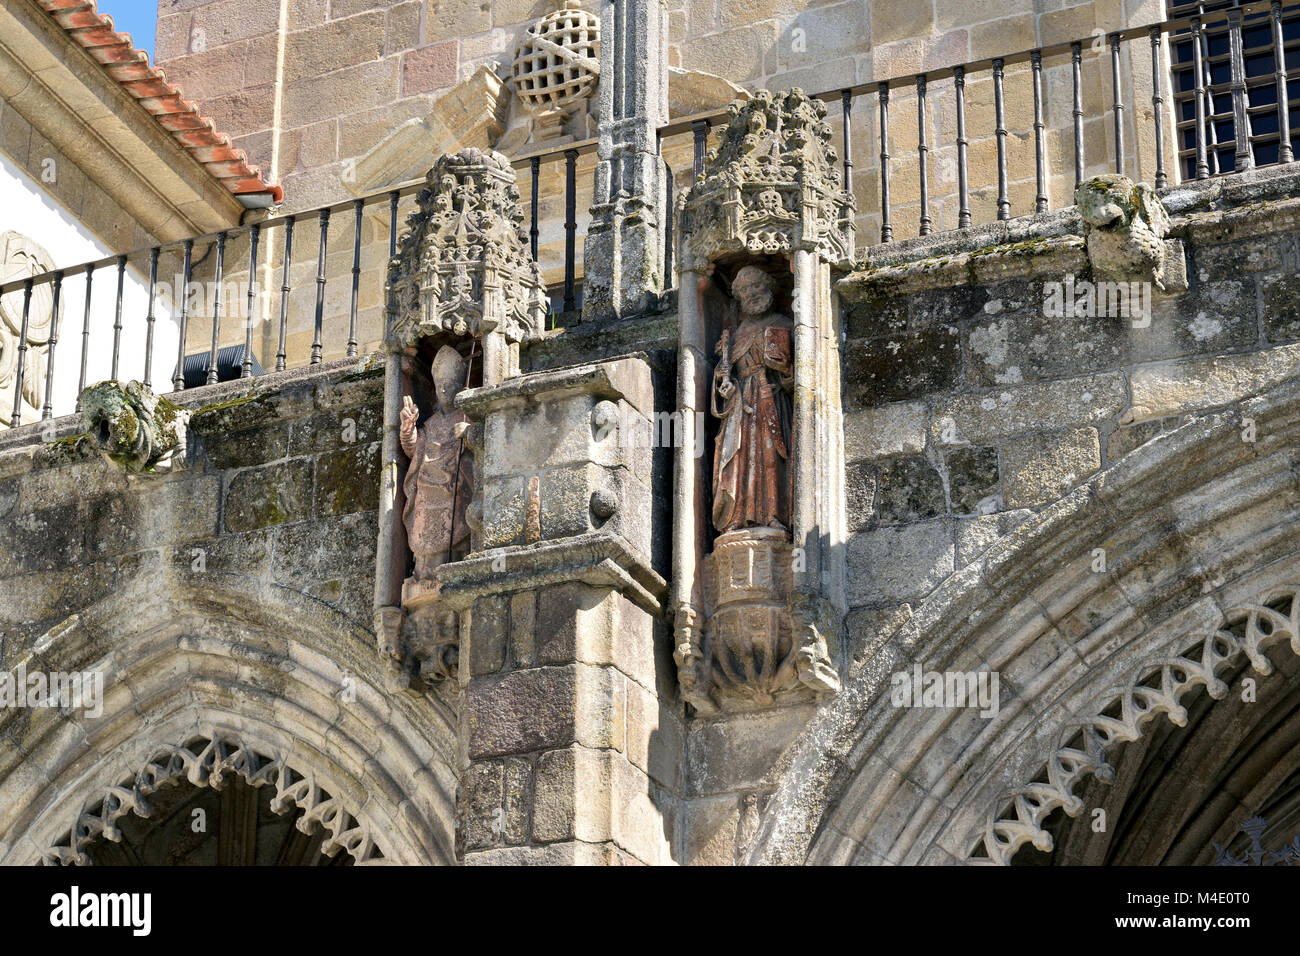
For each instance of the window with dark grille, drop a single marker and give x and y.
(1261, 85)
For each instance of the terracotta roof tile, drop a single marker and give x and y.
(130, 67)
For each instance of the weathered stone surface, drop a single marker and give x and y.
(480, 805)
(1172, 388)
(860, 480)
(896, 368)
(973, 480)
(883, 431)
(1281, 306)
(976, 535)
(347, 481)
(268, 495)
(900, 563)
(1002, 413)
(1123, 440)
(909, 489)
(1043, 467)
(521, 712)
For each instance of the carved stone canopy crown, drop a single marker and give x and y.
(463, 265)
(772, 185)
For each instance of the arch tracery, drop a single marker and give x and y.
(206, 762)
(1203, 568)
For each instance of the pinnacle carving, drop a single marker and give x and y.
(463, 266)
(773, 184)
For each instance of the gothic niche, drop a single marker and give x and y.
(463, 295)
(21, 258)
(758, 594)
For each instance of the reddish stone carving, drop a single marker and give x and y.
(752, 395)
(440, 480)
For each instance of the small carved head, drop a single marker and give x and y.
(1114, 202)
(752, 288)
(448, 376)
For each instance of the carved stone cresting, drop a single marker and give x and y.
(464, 265)
(759, 619)
(1124, 227)
(555, 71)
(134, 428)
(205, 762)
(1247, 629)
(464, 269)
(20, 257)
(772, 185)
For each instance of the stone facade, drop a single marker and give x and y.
(1018, 543)
(986, 476)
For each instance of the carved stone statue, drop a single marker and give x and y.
(440, 480)
(752, 389)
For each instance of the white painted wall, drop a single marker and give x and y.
(27, 208)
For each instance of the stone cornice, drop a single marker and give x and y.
(613, 379)
(599, 559)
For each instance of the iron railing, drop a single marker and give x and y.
(254, 236)
(1203, 126)
(1152, 38)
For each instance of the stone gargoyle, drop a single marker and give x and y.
(1124, 227)
(133, 427)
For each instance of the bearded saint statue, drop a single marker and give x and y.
(440, 479)
(752, 395)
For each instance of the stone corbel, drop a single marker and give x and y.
(1124, 228)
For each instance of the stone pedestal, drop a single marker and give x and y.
(748, 647)
(571, 738)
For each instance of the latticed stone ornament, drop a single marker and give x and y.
(464, 265)
(557, 64)
(207, 762)
(773, 185)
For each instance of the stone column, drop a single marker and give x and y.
(571, 741)
(623, 256)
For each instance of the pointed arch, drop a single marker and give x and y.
(1199, 533)
(270, 682)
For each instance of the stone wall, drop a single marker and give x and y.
(281, 488)
(969, 408)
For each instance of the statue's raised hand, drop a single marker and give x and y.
(409, 413)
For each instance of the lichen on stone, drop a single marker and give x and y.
(131, 426)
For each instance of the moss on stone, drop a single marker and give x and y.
(70, 448)
(234, 413)
(369, 367)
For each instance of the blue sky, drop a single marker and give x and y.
(136, 17)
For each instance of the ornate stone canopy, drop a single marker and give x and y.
(463, 266)
(773, 185)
